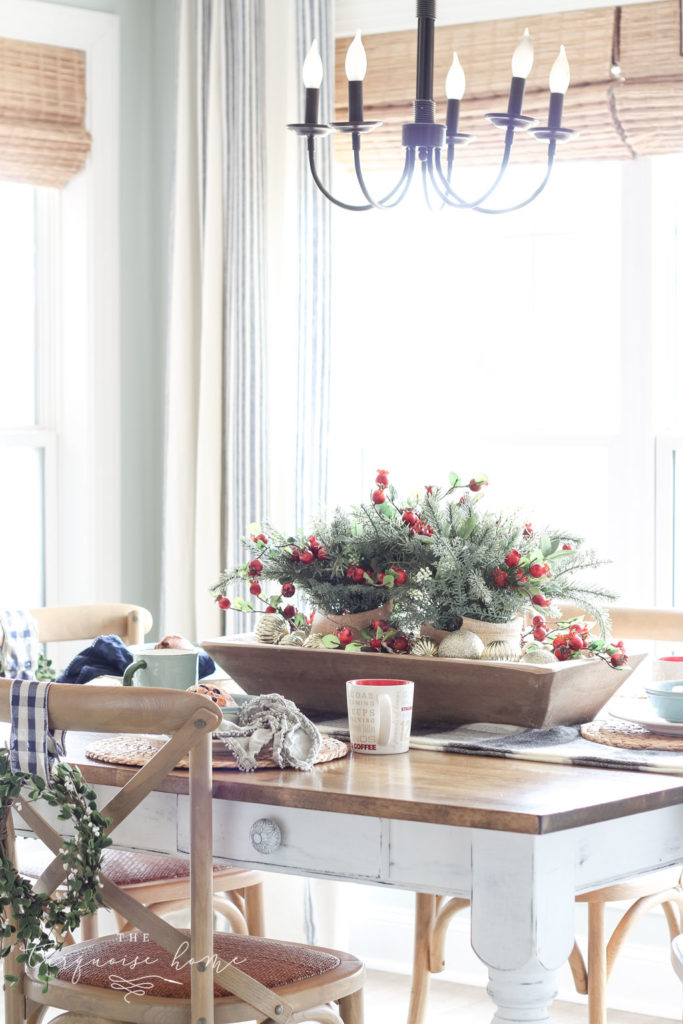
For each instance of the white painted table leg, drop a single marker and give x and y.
(522, 919)
(522, 996)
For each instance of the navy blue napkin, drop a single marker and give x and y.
(109, 656)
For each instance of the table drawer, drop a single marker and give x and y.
(300, 840)
(151, 826)
(440, 854)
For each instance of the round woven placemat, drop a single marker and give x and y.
(629, 735)
(138, 750)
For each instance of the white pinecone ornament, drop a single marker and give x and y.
(292, 640)
(462, 644)
(538, 656)
(314, 642)
(271, 629)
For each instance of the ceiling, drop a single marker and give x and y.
(394, 15)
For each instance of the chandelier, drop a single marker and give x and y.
(424, 140)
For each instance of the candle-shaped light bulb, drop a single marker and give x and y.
(356, 63)
(559, 83)
(313, 67)
(312, 76)
(455, 80)
(523, 57)
(559, 73)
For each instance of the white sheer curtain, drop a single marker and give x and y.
(215, 473)
(215, 468)
(314, 20)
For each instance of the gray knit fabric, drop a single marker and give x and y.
(271, 726)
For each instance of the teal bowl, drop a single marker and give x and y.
(667, 699)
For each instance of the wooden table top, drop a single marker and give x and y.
(446, 789)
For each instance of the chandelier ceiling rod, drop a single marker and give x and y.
(424, 138)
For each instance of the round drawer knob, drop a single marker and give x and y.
(265, 836)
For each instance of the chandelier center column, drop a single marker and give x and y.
(424, 85)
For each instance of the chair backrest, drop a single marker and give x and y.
(86, 621)
(639, 623)
(188, 720)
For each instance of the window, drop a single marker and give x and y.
(59, 343)
(668, 408)
(25, 444)
(518, 346)
(543, 348)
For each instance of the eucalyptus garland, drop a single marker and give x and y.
(39, 922)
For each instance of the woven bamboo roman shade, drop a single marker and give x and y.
(42, 111)
(637, 112)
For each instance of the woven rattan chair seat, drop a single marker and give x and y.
(130, 963)
(121, 866)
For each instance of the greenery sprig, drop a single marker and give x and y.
(45, 670)
(39, 922)
(436, 556)
(493, 567)
(355, 562)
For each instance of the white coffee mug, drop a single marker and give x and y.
(380, 711)
(667, 668)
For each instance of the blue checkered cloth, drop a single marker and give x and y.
(33, 747)
(19, 647)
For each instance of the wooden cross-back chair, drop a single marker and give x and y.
(677, 956)
(433, 914)
(59, 623)
(283, 982)
(160, 882)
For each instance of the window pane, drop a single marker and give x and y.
(17, 305)
(468, 325)
(485, 345)
(677, 524)
(21, 527)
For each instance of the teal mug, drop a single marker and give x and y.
(175, 669)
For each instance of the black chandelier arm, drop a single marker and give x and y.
(552, 146)
(404, 180)
(451, 194)
(425, 183)
(428, 169)
(321, 187)
(401, 186)
(445, 197)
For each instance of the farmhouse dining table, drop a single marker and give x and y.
(519, 838)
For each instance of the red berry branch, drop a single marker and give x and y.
(573, 639)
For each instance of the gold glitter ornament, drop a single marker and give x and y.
(462, 644)
(425, 648)
(271, 628)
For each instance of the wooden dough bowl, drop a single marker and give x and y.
(447, 690)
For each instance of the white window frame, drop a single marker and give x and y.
(669, 459)
(80, 428)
